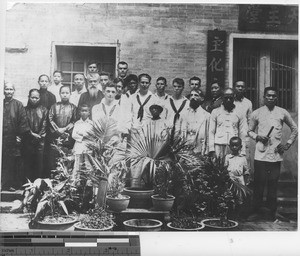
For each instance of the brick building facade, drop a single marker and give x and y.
(167, 40)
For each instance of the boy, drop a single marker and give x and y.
(80, 132)
(157, 125)
(236, 163)
(62, 116)
(55, 88)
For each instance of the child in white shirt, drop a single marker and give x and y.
(80, 132)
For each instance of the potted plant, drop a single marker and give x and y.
(96, 219)
(102, 141)
(146, 152)
(48, 201)
(162, 200)
(116, 183)
(220, 195)
(185, 223)
(142, 225)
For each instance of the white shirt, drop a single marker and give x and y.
(224, 125)
(197, 126)
(55, 90)
(163, 101)
(81, 129)
(114, 112)
(136, 123)
(263, 119)
(244, 107)
(75, 96)
(180, 126)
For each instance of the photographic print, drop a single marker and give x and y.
(149, 117)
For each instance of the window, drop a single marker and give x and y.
(74, 59)
(263, 63)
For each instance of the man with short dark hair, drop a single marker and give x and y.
(216, 97)
(104, 79)
(176, 106)
(161, 96)
(92, 66)
(122, 69)
(140, 102)
(225, 122)
(79, 83)
(268, 121)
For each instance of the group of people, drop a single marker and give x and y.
(220, 126)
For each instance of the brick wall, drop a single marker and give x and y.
(163, 40)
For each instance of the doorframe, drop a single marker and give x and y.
(53, 54)
(233, 36)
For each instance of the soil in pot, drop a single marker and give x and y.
(139, 197)
(217, 225)
(56, 222)
(142, 225)
(185, 224)
(95, 220)
(117, 204)
(162, 204)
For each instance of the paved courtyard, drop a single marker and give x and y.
(19, 221)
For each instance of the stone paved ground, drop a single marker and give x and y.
(9, 221)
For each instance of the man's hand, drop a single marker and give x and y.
(281, 148)
(61, 130)
(262, 139)
(35, 135)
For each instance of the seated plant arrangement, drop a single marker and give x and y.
(53, 200)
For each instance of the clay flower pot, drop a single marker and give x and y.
(201, 226)
(142, 225)
(117, 204)
(62, 223)
(214, 224)
(139, 197)
(162, 204)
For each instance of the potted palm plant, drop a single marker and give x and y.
(147, 151)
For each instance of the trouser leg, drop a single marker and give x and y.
(260, 178)
(272, 185)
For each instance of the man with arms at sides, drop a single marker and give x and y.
(269, 150)
(93, 95)
(79, 83)
(15, 126)
(177, 105)
(122, 69)
(216, 97)
(161, 95)
(197, 124)
(226, 122)
(140, 103)
(244, 106)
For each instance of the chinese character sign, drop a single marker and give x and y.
(216, 48)
(272, 18)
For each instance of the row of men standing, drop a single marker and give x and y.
(190, 116)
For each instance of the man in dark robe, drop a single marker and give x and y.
(14, 127)
(93, 96)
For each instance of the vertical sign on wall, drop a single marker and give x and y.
(216, 47)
